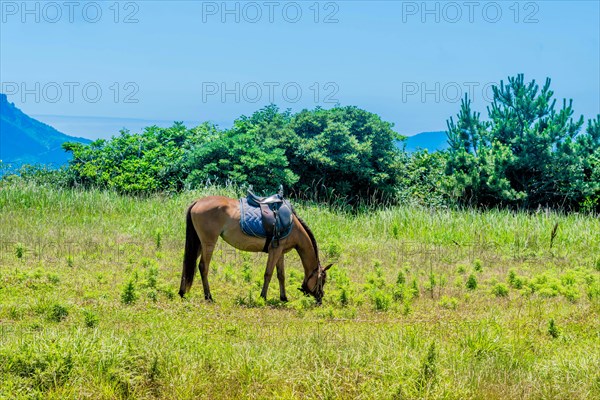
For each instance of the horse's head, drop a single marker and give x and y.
(314, 283)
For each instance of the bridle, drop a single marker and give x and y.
(318, 288)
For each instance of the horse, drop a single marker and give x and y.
(213, 216)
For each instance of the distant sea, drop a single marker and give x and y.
(105, 127)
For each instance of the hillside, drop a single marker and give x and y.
(431, 141)
(27, 140)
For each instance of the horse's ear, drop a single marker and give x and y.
(327, 267)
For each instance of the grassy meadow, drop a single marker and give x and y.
(421, 303)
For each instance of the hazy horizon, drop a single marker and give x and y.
(90, 127)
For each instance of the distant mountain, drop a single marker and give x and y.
(431, 141)
(24, 140)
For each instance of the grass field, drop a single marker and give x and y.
(420, 304)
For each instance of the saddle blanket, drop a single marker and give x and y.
(251, 221)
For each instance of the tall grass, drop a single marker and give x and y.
(89, 309)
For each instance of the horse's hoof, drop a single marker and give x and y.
(283, 299)
(209, 299)
(181, 293)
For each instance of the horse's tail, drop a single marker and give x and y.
(190, 255)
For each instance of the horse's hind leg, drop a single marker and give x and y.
(281, 278)
(205, 257)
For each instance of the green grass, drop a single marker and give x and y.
(88, 305)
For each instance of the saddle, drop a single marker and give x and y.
(266, 217)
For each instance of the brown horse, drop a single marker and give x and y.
(214, 216)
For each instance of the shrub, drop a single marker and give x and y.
(471, 282)
(343, 297)
(395, 230)
(228, 273)
(552, 329)
(247, 272)
(381, 300)
(500, 290)
(90, 318)
(334, 250)
(250, 301)
(57, 313)
(167, 291)
(547, 291)
(450, 303)
(516, 281)
(376, 279)
(431, 284)
(152, 276)
(137, 163)
(53, 278)
(19, 250)
(401, 293)
(338, 275)
(415, 288)
(593, 291)
(401, 279)
(158, 238)
(428, 367)
(129, 295)
(406, 308)
(153, 295)
(571, 294)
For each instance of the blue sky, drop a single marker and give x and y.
(194, 61)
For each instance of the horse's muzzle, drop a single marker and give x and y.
(304, 291)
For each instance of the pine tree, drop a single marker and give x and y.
(529, 154)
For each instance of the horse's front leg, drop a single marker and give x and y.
(274, 256)
(281, 278)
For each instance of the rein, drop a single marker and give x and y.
(318, 288)
(318, 284)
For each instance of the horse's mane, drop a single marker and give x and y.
(310, 234)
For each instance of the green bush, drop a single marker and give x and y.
(334, 249)
(90, 318)
(343, 297)
(19, 250)
(381, 300)
(129, 295)
(471, 282)
(57, 313)
(401, 279)
(137, 163)
(553, 329)
(152, 276)
(450, 303)
(500, 290)
(341, 153)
